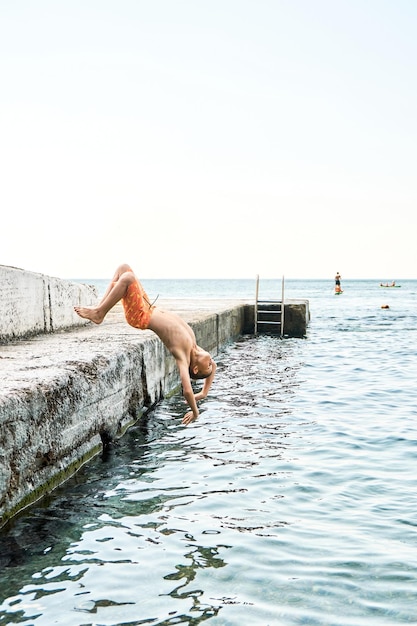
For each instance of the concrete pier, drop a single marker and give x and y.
(67, 393)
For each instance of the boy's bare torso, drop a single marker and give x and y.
(174, 332)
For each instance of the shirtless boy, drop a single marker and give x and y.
(192, 361)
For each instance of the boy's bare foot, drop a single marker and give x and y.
(89, 313)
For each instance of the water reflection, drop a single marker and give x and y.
(291, 500)
(131, 534)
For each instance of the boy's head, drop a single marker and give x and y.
(201, 365)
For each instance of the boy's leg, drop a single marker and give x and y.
(120, 270)
(123, 277)
(117, 292)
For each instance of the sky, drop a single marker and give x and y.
(209, 138)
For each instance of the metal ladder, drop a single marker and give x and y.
(264, 308)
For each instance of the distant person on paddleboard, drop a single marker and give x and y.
(337, 287)
(192, 361)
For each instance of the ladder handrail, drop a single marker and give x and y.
(257, 312)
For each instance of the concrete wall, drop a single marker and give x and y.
(296, 319)
(33, 303)
(65, 395)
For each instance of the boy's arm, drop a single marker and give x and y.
(187, 392)
(207, 384)
(194, 398)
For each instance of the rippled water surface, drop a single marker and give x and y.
(292, 500)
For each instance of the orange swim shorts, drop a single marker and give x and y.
(138, 309)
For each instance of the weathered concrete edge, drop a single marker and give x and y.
(52, 427)
(35, 303)
(56, 423)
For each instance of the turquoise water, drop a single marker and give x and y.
(292, 500)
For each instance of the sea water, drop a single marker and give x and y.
(291, 500)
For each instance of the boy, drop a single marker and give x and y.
(192, 361)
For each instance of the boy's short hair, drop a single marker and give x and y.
(197, 376)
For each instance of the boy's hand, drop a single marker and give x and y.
(188, 418)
